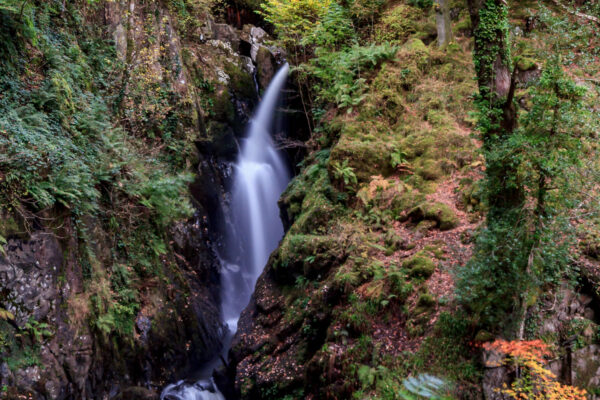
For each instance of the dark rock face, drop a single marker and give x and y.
(75, 360)
(269, 350)
(178, 325)
(28, 273)
(29, 280)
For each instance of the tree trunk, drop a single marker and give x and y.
(443, 22)
(492, 60)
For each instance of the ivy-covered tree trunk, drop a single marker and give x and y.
(498, 117)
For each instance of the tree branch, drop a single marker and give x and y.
(577, 13)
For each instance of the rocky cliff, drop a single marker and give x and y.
(117, 294)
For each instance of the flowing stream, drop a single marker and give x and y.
(260, 176)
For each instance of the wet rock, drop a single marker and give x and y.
(265, 66)
(143, 325)
(137, 393)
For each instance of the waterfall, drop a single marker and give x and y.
(260, 176)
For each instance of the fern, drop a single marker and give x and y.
(344, 172)
(425, 387)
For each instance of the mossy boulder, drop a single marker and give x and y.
(366, 157)
(526, 64)
(265, 66)
(405, 201)
(426, 300)
(420, 266)
(307, 201)
(424, 226)
(430, 170)
(308, 255)
(471, 194)
(416, 51)
(441, 213)
(11, 226)
(240, 82)
(393, 242)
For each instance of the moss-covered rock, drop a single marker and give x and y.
(308, 255)
(420, 266)
(441, 213)
(11, 226)
(405, 201)
(307, 202)
(222, 108)
(240, 81)
(430, 170)
(426, 300)
(367, 157)
(393, 242)
(220, 140)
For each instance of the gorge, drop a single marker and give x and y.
(259, 177)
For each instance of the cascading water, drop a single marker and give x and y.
(260, 176)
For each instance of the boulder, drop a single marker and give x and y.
(265, 66)
(226, 33)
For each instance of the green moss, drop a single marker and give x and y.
(471, 194)
(309, 255)
(526, 64)
(436, 250)
(393, 242)
(424, 226)
(426, 300)
(10, 227)
(430, 170)
(419, 266)
(439, 118)
(220, 140)
(406, 201)
(347, 277)
(308, 200)
(439, 212)
(222, 109)
(398, 24)
(463, 26)
(240, 81)
(368, 158)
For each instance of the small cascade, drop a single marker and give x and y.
(260, 176)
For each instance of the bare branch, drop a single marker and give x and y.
(577, 13)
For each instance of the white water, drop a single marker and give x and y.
(260, 176)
